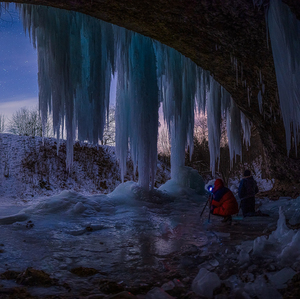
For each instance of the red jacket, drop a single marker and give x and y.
(224, 202)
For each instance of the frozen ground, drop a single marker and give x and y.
(150, 244)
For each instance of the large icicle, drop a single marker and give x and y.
(143, 102)
(284, 29)
(233, 124)
(214, 123)
(74, 70)
(177, 83)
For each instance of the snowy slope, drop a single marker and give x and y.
(30, 168)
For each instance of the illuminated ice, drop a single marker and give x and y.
(190, 182)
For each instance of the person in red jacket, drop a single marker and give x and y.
(223, 201)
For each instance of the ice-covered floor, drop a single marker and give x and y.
(134, 237)
(113, 234)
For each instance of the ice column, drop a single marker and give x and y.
(137, 104)
(177, 84)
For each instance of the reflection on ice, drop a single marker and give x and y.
(132, 232)
(129, 227)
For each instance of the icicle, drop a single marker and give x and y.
(260, 77)
(233, 125)
(248, 94)
(284, 29)
(259, 99)
(246, 126)
(214, 123)
(71, 87)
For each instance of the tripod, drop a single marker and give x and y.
(208, 200)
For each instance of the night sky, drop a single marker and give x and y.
(18, 65)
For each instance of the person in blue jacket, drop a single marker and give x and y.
(247, 190)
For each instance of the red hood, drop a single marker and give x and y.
(218, 184)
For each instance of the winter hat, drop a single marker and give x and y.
(247, 172)
(218, 184)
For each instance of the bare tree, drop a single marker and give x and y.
(163, 140)
(28, 122)
(109, 133)
(2, 123)
(200, 127)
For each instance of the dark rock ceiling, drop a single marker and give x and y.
(211, 33)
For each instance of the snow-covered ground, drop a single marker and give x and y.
(31, 168)
(153, 244)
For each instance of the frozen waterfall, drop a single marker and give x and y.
(77, 56)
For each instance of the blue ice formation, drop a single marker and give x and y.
(77, 56)
(284, 30)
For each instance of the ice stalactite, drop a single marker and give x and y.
(214, 114)
(77, 56)
(233, 124)
(284, 31)
(259, 99)
(246, 126)
(74, 70)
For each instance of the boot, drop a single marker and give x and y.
(227, 219)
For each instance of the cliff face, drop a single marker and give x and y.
(226, 37)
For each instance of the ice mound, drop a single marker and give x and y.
(280, 278)
(67, 203)
(243, 257)
(292, 211)
(13, 218)
(283, 243)
(188, 182)
(130, 193)
(290, 207)
(262, 289)
(205, 282)
(158, 293)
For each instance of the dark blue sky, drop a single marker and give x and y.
(18, 65)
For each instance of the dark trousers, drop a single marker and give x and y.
(248, 206)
